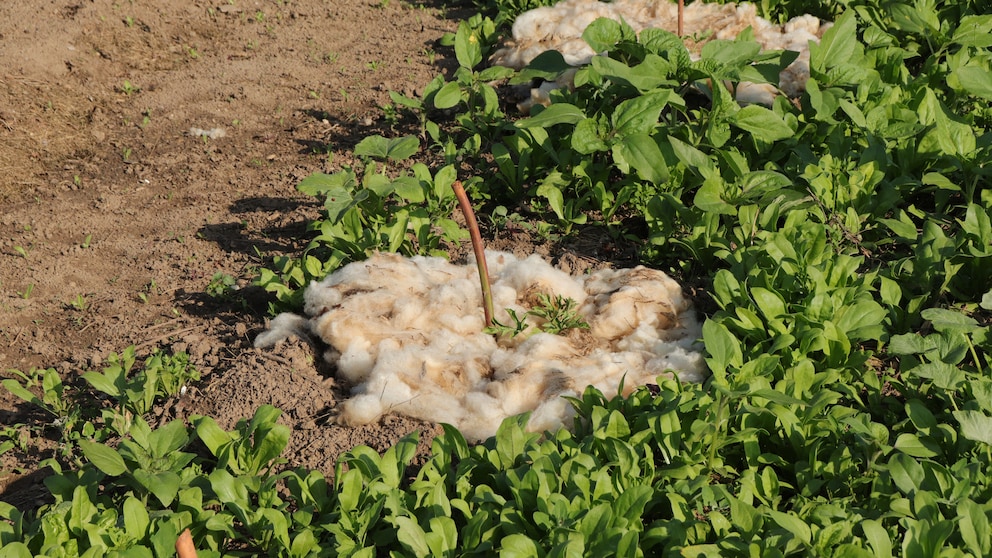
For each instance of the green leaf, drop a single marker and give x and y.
(104, 458)
(468, 50)
(395, 149)
(136, 519)
(318, 183)
(949, 320)
(694, 159)
(975, 80)
(762, 123)
(640, 114)
(912, 445)
(102, 383)
(793, 524)
(878, 538)
(974, 31)
(558, 113)
(586, 137)
(14, 387)
(975, 426)
(518, 546)
(211, 434)
(837, 44)
(906, 472)
(448, 96)
(974, 525)
(15, 549)
(412, 536)
(163, 484)
(640, 152)
(602, 34)
(723, 347)
(228, 488)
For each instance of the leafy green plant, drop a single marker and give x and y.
(555, 314)
(409, 214)
(222, 286)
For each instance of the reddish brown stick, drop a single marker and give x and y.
(478, 248)
(184, 545)
(681, 9)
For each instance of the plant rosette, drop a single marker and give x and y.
(409, 336)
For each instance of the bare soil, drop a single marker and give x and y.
(107, 199)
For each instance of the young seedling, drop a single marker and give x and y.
(478, 248)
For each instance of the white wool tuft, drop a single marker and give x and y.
(559, 27)
(406, 333)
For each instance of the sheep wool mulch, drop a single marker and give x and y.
(407, 335)
(559, 27)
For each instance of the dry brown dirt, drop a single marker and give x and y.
(108, 201)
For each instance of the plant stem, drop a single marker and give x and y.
(478, 248)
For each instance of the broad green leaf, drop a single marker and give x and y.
(975, 80)
(723, 347)
(168, 438)
(448, 96)
(694, 159)
(163, 484)
(709, 198)
(920, 415)
(974, 525)
(762, 123)
(602, 34)
(640, 114)
(556, 199)
(468, 50)
(863, 320)
(518, 546)
(586, 137)
(878, 538)
(912, 445)
(14, 387)
(15, 549)
(974, 31)
(975, 426)
(228, 488)
(837, 44)
(318, 183)
(769, 302)
(558, 113)
(949, 320)
(906, 472)
(547, 66)
(102, 383)
(641, 153)
(104, 458)
(136, 519)
(412, 536)
(793, 524)
(211, 434)
(395, 149)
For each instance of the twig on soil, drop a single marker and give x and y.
(478, 248)
(277, 358)
(166, 336)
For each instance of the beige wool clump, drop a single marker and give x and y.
(407, 335)
(559, 27)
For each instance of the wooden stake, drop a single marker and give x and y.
(478, 248)
(184, 545)
(681, 10)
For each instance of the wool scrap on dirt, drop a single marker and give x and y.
(407, 335)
